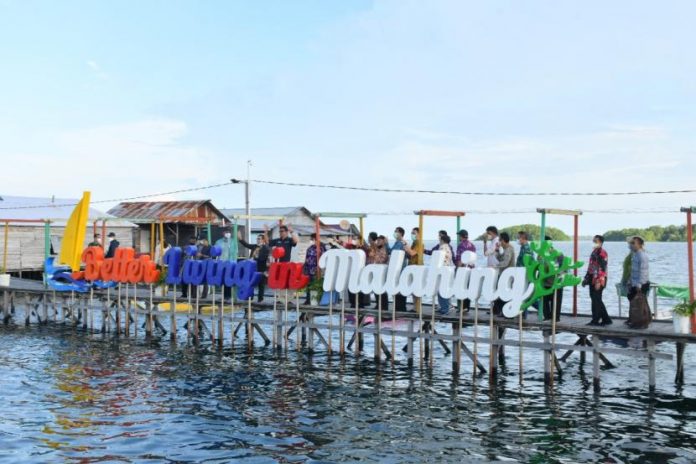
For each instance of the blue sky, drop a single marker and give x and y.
(128, 98)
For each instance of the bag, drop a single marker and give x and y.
(639, 314)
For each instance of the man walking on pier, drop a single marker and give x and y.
(596, 278)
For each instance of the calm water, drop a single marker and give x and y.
(68, 396)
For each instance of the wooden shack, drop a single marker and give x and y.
(25, 219)
(299, 217)
(179, 221)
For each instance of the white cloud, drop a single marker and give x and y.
(97, 70)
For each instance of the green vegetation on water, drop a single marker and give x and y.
(534, 232)
(650, 234)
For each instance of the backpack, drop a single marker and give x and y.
(639, 313)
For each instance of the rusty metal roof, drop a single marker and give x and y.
(154, 210)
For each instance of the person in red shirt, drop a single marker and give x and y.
(596, 278)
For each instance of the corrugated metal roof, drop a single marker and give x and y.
(258, 224)
(57, 210)
(153, 210)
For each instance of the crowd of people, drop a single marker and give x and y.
(498, 251)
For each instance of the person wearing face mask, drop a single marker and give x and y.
(505, 259)
(228, 246)
(399, 244)
(311, 261)
(260, 252)
(413, 250)
(113, 245)
(596, 278)
(491, 245)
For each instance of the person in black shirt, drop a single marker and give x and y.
(185, 287)
(287, 240)
(203, 253)
(260, 253)
(113, 244)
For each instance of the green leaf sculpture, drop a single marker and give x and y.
(545, 268)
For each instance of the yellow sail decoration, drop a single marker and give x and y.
(74, 237)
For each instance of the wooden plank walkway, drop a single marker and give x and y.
(312, 325)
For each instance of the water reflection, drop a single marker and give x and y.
(74, 398)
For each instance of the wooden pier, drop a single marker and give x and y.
(133, 311)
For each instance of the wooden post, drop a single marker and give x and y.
(651, 364)
(575, 259)
(409, 345)
(476, 311)
(596, 344)
(378, 333)
(4, 249)
(690, 254)
(547, 360)
(172, 323)
(679, 377)
(152, 241)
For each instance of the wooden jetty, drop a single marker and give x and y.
(131, 310)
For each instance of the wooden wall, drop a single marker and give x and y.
(25, 245)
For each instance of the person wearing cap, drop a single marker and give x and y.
(113, 244)
(464, 245)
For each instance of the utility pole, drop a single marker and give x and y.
(247, 189)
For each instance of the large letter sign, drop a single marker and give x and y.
(346, 270)
(242, 275)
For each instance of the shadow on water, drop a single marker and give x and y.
(73, 397)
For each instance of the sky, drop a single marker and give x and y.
(132, 98)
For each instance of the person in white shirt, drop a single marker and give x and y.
(491, 246)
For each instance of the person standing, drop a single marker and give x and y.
(440, 234)
(96, 242)
(446, 250)
(259, 252)
(203, 254)
(377, 253)
(505, 259)
(287, 240)
(311, 263)
(192, 242)
(228, 247)
(557, 296)
(399, 245)
(640, 269)
(113, 245)
(491, 244)
(464, 245)
(413, 250)
(525, 249)
(596, 278)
